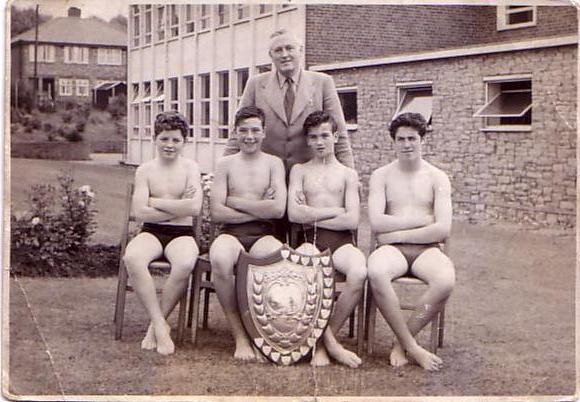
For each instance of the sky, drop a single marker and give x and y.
(105, 9)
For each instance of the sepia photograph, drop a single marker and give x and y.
(290, 200)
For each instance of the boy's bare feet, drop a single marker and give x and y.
(244, 350)
(149, 342)
(320, 357)
(344, 356)
(165, 345)
(425, 359)
(398, 357)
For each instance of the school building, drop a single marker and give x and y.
(496, 83)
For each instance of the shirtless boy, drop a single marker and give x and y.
(166, 197)
(323, 197)
(248, 192)
(410, 214)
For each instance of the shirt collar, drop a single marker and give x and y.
(282, 79)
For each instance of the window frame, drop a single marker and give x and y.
(160, 23)
(45, 53)
(71, 54)
(173, 27)
(69, 86)
(109, 56)
(223, 104)
(492, 92)
(202, 126)
(503, 13)
(349, 89)
(203, 19)
(148, 17)
(82, 83)
(136, 31)
(402, 90)
(244, 8)
(189, 104)
(189, 25)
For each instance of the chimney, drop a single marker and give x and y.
(74, 12)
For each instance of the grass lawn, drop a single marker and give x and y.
(509, 325)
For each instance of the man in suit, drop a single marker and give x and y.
(287, 95)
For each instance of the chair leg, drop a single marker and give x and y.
(372, 316)
(360, 328)
(196, 289)
(434, 334)
(190, 307)
(120, 302)
(351, 319)
(206, 295)
(441, 326)
(181, 318)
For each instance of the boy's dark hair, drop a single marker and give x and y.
(248, 112)
(171, 120)
(317, 118)
(413, 120)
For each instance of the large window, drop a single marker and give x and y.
(223, 14)
(148, 25)
(76, 55)
(45, 53)
(173, 94)
(264, 9)
(173, 17)
(82, 87)
(159, 99)
(512, 17)
(204, 17)
(160, 25)
(109, 56)
(135, 114)
(415, 98)
(508, 104)
(241, 81)
(223, 104)
(146, 101)
(189, 18)
(205, 101)
(348, 101)
(242, 11)
(189, 102)
(136, 24)
(65, 87)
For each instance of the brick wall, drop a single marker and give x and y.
(347, 32)
(496, 176)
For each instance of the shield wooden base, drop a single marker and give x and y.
(285, 301)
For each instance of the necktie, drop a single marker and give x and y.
(289, 99)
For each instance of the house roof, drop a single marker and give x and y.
(75, 30)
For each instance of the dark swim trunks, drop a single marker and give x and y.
(326, 238)
(412, 251)
(166, 233)
(249, 232)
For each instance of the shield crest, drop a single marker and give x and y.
(285, 301)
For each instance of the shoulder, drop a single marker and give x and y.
(259, 78)
(349, 172)
(189, 163)
(438, 175)
(317, 75)
(273, 159)
(298, 168)
(383, 170)
(226, 161)
(146, 167)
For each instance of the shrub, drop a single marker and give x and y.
(67, 117)
(73, 135)
(47, 127)
(25, 93)
(51, 236)
(80, 125)
(69, 105)
(35, 122)
(117, 106)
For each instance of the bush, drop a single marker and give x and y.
(117, 106)
(69, 104)
(25, 93)
(80, 125)
(73, 136)
(35, 122)
(67, 117)
(47, 127)
(52, 237)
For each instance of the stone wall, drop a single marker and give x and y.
(496, 176)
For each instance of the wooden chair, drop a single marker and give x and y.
(122, 284)
(201, 281)
(437, 324)
(339, 277)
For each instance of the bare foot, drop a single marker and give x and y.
(149, 342)
(320, 357)
(165, 345)
(344, 356)
(425, 359)
(244, 351)
(398, 357)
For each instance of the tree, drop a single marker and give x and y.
(23, 19)
(120, 22)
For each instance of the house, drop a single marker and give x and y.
(498, 85)
(74, 56)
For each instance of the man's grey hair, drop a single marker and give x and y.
(284, 31)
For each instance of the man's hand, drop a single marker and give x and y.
(270, 193)
(189, 192)
(300, 198)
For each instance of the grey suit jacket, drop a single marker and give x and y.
(316, 91)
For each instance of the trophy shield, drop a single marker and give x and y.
(285, 301)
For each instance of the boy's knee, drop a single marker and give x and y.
(133, 261)
(265, 246)
(223, 254)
